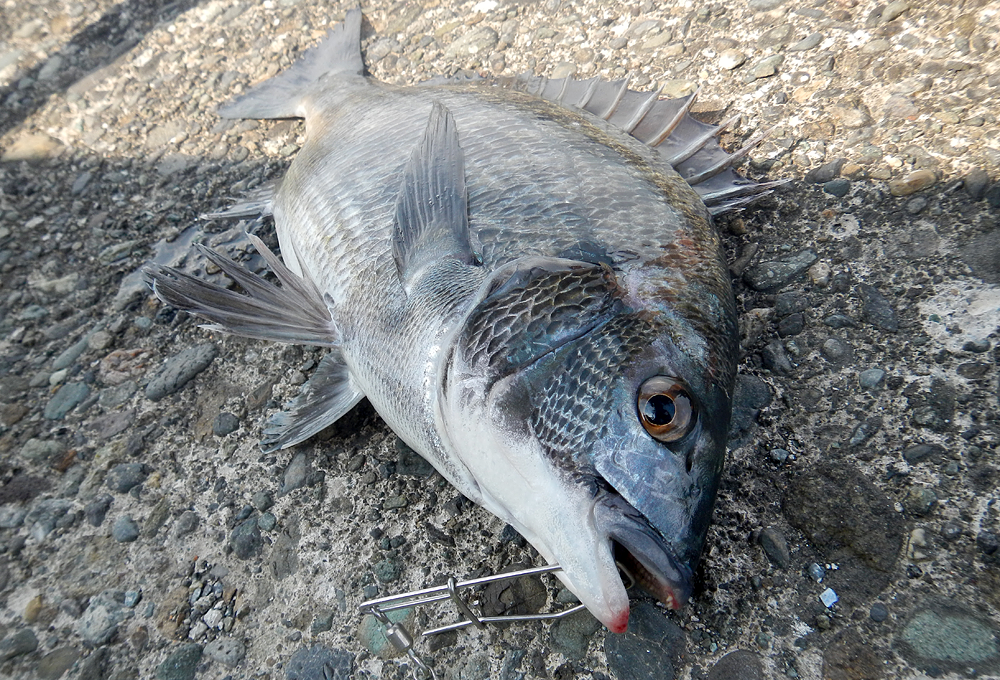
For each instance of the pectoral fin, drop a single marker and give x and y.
(432, 220)
(294, 312)
(329, 394)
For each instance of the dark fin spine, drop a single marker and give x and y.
(641, 112)
(726, 163)
(281, 96)
(432, 221)
(616, 101)
(673, 122)
(693, 146)
(295, 313)
(328, 395)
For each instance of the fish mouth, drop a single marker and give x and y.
(643, 556)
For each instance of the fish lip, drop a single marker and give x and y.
(641, 551)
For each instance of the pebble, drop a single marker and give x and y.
(653, 646)
(295, 474)
(766, 67)
(54, 664)
(245, 539)
(99, 622)
(779, 455)
(987, 542)
(878, 612)
(917, 205)
(829, 597)
(12, 516)
(776, 359)
(123, 477)
(125, 530)
(45, 516)
(479, 41)
(320, 663)
(775, 274)
(838, 321)
(66, 399)
(975, 183)
(816, 572)
(779, 35)
(387, 570)
(371, 633)
(227, 651)
(919, 452)
(919, 501)
(179, 369)
(71, 354)
(836, 350)
(871, 379)
(900, 106)
(267, 521)
(951, 530)
(775, 547)
(915, 181)
(950, 634)
(827, 172)
(262, 500)
(182, 664)
(730, 59)
(19, 643)
(738, 665)
(790, 303)
(572, 634)
(43, 451)
(838, 187)
(186, 523)
(894, 9)
(809, 42)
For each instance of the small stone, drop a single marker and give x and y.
(916, 205)
(53, 665)
(951, 635)
(951, 531)
(976, 346)
(779, 35)
(267, 521)
(878, 612)
(245, 539)
(387, 570)
(894, 9)
(838, 321)
(322, 623)
(816, 572)
(838, 187)
(919, 501)
(828, 597)
(123, 477)
(226, 651)
(876, 46)
(775, 547)
(179, 370)
(988, 542)
(913, 182)
(43, 451)
(738, 665)
(975, 184)
(225, 423)
(186, 523)
(877, 309)
(99, 622)
(826, 172)
(871, 379)
(767, 67)
(779, 455)
(66, 399)
(791, 325)
(836, 350)
(31, 148)
(371, 633)
(572, 634)
(773, 275)
(730, 59)
(181, 664)
(295, 474)
(776, 359)
(478, 41)
(918, 452)
(314, 663)
(809, 42)
(18, 644)
(262, 501)
(125, 529)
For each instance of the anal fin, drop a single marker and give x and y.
(328, 395)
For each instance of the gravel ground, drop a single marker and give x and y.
(143, 533)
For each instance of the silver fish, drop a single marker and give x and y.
(517, 277)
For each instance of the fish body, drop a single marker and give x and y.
(530, 296)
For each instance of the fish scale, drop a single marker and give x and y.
(516, 277)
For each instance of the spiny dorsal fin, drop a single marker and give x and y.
(280, 96)
(432, 212)
(294, 312)
(686, 144)
(328, 395)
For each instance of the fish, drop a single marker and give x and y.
(523, 278)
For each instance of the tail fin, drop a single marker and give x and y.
(280, 96)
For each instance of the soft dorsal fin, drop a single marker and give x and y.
(280, 96)
(686, 144)
(432, 211)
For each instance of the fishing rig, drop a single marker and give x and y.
(403, 640)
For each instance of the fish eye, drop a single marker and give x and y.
(665, 408)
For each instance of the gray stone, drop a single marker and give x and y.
(776, 359)
(123, 477)
(225, 423)
(262, 501)
(988, 542)
(226, 651)
(775, 547)
(838, 187)
(245, 539)
(295, 473)
(750, 396)
(267, 521)
(179, 369)
(43, 451)
(186, 523)
(652, 648)
(44, 515)
(878, 612)
(181, 664)
(322, 622)
(100, 621)
(773, 275)
(125, 530)
(877, 309)
(479, 42)
(950, 635)
(320, 663)
(738, 665)
(411, 463)
(779, 35)
(982, 254)
(809, 42)
(766, 67)
(790, 303)
(836, 350)
(919, 452)
(765, 5)
(827, 172)
(387, 570)
(871, 379)
(66, 399)
(571, 635)
(71, 354)
(17, 644)
(919, 501)
(11, 517)
(54, 664)
(838, 321)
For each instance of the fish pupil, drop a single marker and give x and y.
(659, 409)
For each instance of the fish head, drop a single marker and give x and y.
(595, 426)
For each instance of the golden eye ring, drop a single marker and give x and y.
(666, 410)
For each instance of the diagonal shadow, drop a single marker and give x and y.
(96, 46)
